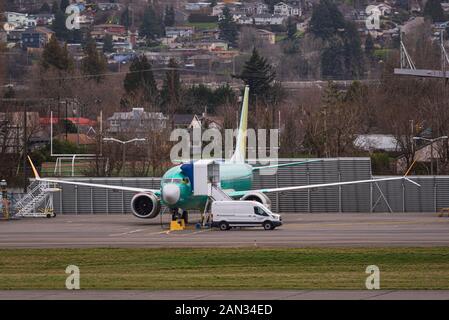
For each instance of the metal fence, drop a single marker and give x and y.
(394, 196)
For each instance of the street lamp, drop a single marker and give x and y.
(431, 149)
(124, 143)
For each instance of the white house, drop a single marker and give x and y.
(20, 19)
(286, 10)
(262, 19)
(255, 8)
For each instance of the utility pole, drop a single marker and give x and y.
(25, 148)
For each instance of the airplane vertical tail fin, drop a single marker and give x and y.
(240, 148)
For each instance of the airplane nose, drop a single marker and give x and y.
(170, 193)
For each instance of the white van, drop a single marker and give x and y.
(227, 214)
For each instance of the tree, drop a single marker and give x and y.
(258, 74)
(369, 46)
(270, 4)
(94, 63)
(169, 18)
(139, 82)
(54, 7)
(434, 11)
(125, 18)
(291, 28)
(108, 45)
(45, 8)
(213, 3)
(228, 27)
(59, 26)
(326, 20)
(64, 4)
(171, 89)
(55, 56)
(152, 26)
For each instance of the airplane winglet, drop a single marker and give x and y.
(36, 174)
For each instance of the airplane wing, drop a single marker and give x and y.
(321, 185)
(285, 164)
(87, 184)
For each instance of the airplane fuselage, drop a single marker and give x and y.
(176, 187)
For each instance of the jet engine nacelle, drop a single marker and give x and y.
(259, 197)
(145, 205)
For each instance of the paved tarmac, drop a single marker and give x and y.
(299, 230)
(224, 295)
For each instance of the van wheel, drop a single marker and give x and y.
(267, 225)
(223, 226)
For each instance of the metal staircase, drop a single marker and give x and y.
(217, 194)
(38, 197)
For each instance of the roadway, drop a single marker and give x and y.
(224, 294)
(299, 230)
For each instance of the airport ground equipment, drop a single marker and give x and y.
(204, 177)
(38, 202)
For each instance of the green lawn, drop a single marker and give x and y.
(249, 268)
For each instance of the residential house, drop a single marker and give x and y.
(262, 19)
(287, 10)
(43, 19)
(430, 153)
(377, 142)
(175, 32)
(36, 37)
(186, 121)
(196, 6)
(254, 8)
(118, 32)
(103, 6)
(266, 36)
(137, 121)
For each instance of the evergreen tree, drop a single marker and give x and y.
(332, 59)
(270, 4)
(326, 20)
(54, 7)
(258, 74)
(434, 11)
(45, 8)
(291, 28)
(9, 93)
(125, 18)
(152, 26)
(169, 18)
(353, 53)
(228, 27)
(369, 46)
(64, 4)
(59, 26)
(94, 63)
(56, 56)
(171, 89)
(140, 79)
(108, 45)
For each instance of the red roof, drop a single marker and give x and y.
(77, 121)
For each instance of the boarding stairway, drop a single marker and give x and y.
(38, 197)
(217, 194)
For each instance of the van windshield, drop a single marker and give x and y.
(260, 212)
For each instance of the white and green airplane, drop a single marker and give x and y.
(176, 190)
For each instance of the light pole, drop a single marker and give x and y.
(124, 147)
(431, 149)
